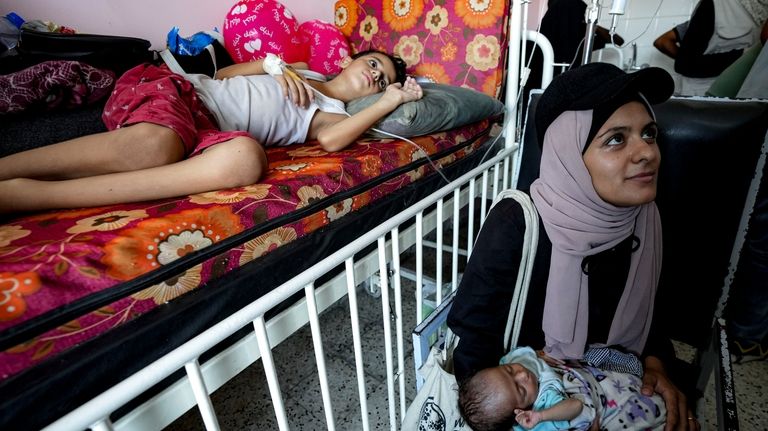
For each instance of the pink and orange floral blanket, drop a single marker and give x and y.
(57, 259)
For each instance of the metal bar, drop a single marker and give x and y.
(201, 395)
(385, 311)
(398, 318)
(270, 372)
(471, 215)
(317, 343)
(419, 265)
(439, 254)
(455, 255)
(355, 320)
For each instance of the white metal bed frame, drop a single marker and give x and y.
(432, 213)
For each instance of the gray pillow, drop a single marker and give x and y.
(443, 107)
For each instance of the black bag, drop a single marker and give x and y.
(116, 53)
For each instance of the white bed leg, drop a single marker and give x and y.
(439, 253)
(385, 310)
(201, 395)
(355, 321)
(103, 425)
(419, 266)
(471, 217)
(398, 318)
(317, 342)
(455, 249)
(484, 198)
(269, 370)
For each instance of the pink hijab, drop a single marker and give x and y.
(581, 224)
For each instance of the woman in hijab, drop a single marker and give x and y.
(598, 259)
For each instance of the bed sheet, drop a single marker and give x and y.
(68, 276)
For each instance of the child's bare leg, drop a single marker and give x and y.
(139, 146)
(237, 162)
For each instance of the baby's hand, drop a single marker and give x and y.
(402, 93)
(527, 418)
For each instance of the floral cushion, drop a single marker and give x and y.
(458, 42)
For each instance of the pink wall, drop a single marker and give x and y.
(133, 17)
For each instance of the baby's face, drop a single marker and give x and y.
(516, 385)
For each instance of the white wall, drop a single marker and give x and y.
(641, 23)
(148, 19)
(152, 19)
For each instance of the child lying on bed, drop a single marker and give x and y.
(525, 391)
(173, 135)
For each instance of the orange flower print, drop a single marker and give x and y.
(10, 233)
(230, 196)
(339, 209)
(345, 16)
(448, 51)
(371, 166)
(369, 27)
(265, 243)
(361, 200)
(402, 15)
(162, 240)
(13, 288)
(437, 19)
(479, 13)
(315, 221)
(483, 52)
(172, 288)
(434, 71)
(492, 84)
(409, 48)
(107, 221)
(309, 194)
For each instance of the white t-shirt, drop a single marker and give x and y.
(256, 104)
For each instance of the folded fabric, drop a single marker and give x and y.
(54, 84)
(443, 107)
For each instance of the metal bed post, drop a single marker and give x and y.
(355, 321)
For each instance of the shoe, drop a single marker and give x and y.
(747, 351)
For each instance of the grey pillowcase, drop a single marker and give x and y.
(443, 107)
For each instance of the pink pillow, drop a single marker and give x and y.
(254, 28)
(327, 46)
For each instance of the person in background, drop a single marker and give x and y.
(715, 37)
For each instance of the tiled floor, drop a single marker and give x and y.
(244, 403)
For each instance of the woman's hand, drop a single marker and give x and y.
(295, 87)
(655, 379)
(552, 362)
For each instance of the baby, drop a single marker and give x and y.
(524, 392)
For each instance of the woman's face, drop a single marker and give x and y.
(623, 158)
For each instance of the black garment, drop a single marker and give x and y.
(691, 60)
(480, 309)
(564, 26)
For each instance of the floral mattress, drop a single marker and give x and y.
(68, 276)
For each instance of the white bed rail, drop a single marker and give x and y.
(482, 183)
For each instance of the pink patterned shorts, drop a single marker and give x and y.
(154, 94)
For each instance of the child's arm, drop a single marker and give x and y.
(565, 410)
(339, 135)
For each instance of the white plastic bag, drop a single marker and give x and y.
(436, 407)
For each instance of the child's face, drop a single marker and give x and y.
(516, 385)
(368, 74)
